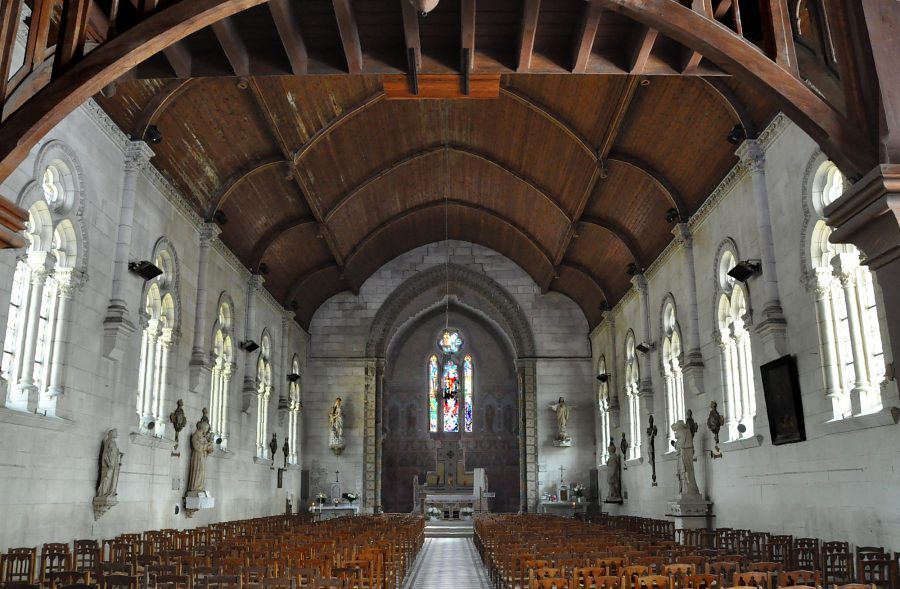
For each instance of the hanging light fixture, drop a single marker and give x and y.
(423, 7)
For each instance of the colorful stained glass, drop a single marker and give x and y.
(433, 394)
(451, 396)
(450, 342)
(468, 387)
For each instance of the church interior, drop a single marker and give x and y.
(508, 294)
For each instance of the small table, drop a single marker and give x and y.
(563, 508)
(325, 511)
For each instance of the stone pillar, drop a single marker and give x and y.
(845, 266)
(379, 429)
(528, 441)
(645, 386)
(152, 344)
(727, 370)
(67, 281)
(284, 400)
(159, 405)
(250, 388)
(613, 367)
(827, 337)
(370, 470)
(693, 356)
(227, 372)
(773, 326)
(117, 325)
(199, 366)
(41, 264)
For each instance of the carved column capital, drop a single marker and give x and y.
(137, 156)
(68, 281)
(41, 265)
(255, 284)
(640, 282)
(683, 235)
(823, 281)
(208, 233)
(752, 156)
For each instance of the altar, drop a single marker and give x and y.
(326, 511)
(450, 487)
(450, 504)
(563, 508)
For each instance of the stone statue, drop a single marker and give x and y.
(623, 446)
(613, 474)
(110, 463)
(201, 446)
(336, 421)
(684, 448)
(286, 449)
(205, 417)
(178, 420)
(562, 420)
(692, 425)
(652, 430)
(273, 446)
(714, 422)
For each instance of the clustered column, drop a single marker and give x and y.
(67, 281)
(199, 360)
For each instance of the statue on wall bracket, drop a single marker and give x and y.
(562, 439)
(336, 425)
(110, 465)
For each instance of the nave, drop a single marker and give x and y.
(448, 562)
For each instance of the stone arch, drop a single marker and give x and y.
(810, 216)
(172, 283)
(505, 309)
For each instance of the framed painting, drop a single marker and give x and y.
(781, 386)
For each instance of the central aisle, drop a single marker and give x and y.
(448, 562)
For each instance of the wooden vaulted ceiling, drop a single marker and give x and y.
(323, 178)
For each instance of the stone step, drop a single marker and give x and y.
(449, 529)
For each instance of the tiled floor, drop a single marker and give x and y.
(451, 563)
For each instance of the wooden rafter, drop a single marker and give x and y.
(733, 103)
(641, 47)
(672, 194)
(180, 58)
(336, 123)
(590, 275)
(692, 57)
(527, 32)
(583, 42)
(290, 34)
(233, 45)
(467, 34)
(273, 234)
(346, 20)
(230, 185)
(70, 45)
(620, 234)
(165, 96)
(9, 25)
(556, 120)
(411, 31)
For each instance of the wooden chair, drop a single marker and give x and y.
(596, 582)
(837, 562)
(700, 582)
(19, 585)
(18, 566)
(654, 563)
(799, 577)
(86, 557)
(222, 582)
(631, 572)
(79, 586)
(304, 577)
(782, 549)
(880, 572)
(172, 582)
(768, 567)
(54, 558)
(115, 568)
(724, 569)
(550, 583)
(277, 583)
(614, 565)
(806, 554)
(59, 579)
(119, 582)
(653, 582)
(854, 586)
(760, 579)
(329, 584)
(679, 568)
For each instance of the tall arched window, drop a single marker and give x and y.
(603, 407)
(451, 386)
(223, 367)
(849, 333)
(632, 393)
(736, 356)
(44, 280)
(294, 405)
(672, 357)
(263, 393)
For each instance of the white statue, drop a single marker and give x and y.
(613, 474)
(110, 463)
(684, 447)
(201, 446)
(562, 420)
(336, 422)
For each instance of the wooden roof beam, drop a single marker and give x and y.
(733, 103)
(179, 57)
(273, 234)
(672, 194)
(641, 47)
(621, 234)
(346, 20)
(692, 57)
(467, 42)
(527, 32)
(9, 25)
(227, 189)
(165, 96)
(583, 42)
(411, 31)
(290, 34)
(598, 282)
(233, 45)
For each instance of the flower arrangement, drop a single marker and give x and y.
(434, 513)
(578, 490)
(351, 496)
(465, 513)
(321, 498)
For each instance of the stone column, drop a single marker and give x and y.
(845, 266)
(612, 367)
(250, 389)
(773, 326)
(41, 264)
(370, 436)
(693, 355)
(159, 404)
(67, 281)
(727, 369)
(227, 372)
(117, 325)
(528, 441)
(379, 429)
(199, 366)
(152, 345)
(827, 338)
(744, 374)
(645, 386)
(284, 400)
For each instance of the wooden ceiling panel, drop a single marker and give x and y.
(380, 28)
(496, 29)
(676, 125)
(582, 289)
(129, 101)
(599, 250)
(207, 141)
(427, 226)
(635, 203)
(300, 106)
(557, 24)
(321, 35)
(313, 289)
(526, 141)
(470, 179)
(291, 255)
(584, 102)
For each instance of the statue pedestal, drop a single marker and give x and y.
(566, 443)
(103, 504)
(691, 512)
(197, 500)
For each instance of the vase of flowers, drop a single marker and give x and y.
(578, 491)
(350, 497)
(321, 498)
(465, 513)
(433, 513)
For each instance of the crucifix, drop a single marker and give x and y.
(337, 474)
(561, 470)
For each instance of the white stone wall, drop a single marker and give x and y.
(840, 484)
(340, 328)
(49, 468)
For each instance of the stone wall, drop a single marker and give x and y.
(49, 466)
(840, 482)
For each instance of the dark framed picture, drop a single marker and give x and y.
(781, 386)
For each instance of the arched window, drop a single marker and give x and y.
(603, 405)
(294, 405)
(263, 393)
(849, 332)
(672, 367)
(451, 386)
(632, 393)
(223, 368)
(44, 280)
(736, 356)
(158, 320)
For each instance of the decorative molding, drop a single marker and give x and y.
(103, 121)
(742, 443)
(810, 218)
(34, 420)
(148, 441)
(263, 461)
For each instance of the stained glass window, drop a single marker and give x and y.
(432, 393)
(469, 390)
(451, 396)
(450, 342)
